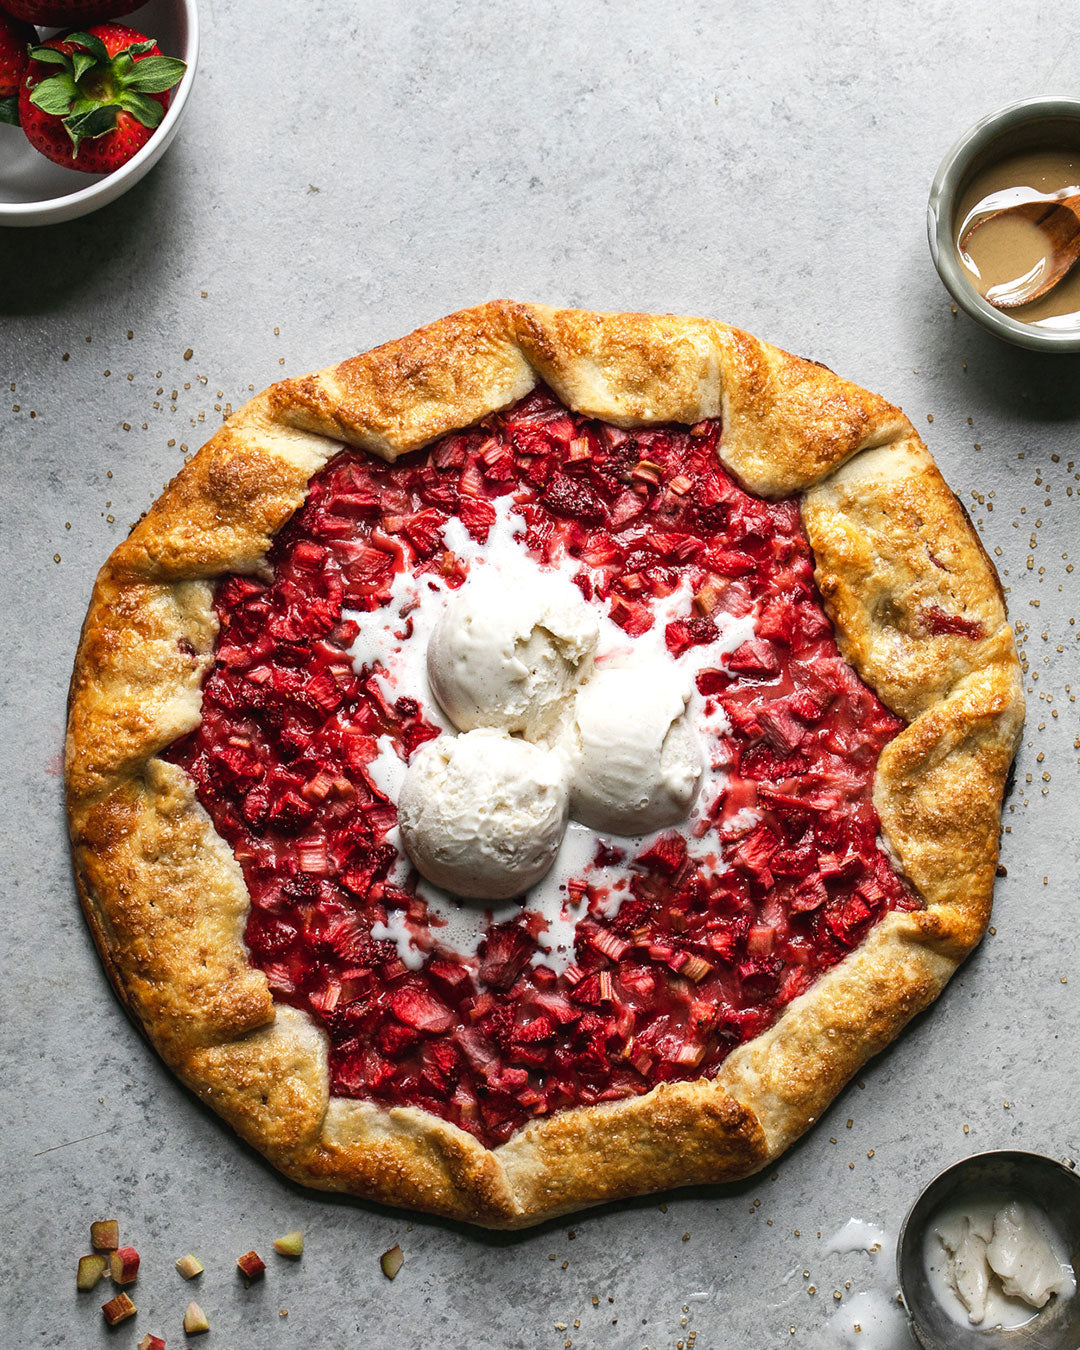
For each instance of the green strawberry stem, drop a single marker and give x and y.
(91, 88)
(9, 110)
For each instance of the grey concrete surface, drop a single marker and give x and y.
(346, 172)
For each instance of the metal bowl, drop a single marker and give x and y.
(1020, 126)
(1055, 1188)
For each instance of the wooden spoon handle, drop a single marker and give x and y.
(1061, 222)
(1038, 213)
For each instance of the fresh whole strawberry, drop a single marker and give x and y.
(15, 38)
(92, 100)
(64, 13)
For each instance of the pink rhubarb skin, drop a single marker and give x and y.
(694, 963)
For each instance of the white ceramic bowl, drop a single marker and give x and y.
(35, 191)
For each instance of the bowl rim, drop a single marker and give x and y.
(47, 210)
(942, 204)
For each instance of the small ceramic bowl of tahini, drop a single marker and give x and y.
(1027, 152)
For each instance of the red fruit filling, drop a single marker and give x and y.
(937, 621)
(694, 961)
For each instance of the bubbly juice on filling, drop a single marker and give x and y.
(696, 959)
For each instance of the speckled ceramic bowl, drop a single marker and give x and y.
(35, 191)
(1020, 126)
(1055, 1188)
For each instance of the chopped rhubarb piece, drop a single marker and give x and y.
(707, 599)
(690, 1052)
(696, 968)
(579, 449)
(152, 1343)
(124, 1265)
(292, 1244)
(608, 943)
(91, 1269)
(195, 1322)
(118, 1309)
(938, 621)
(312, 855)
(643, 1060)
(189, 1266)
(759, 939)
(472, 482)
(251, 1265)
(392, 1261)
(105, 1235)
(647, 471)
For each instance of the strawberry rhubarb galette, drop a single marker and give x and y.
(540, 760)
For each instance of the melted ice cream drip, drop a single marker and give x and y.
(996, 1260)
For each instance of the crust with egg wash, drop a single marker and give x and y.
(166, 900)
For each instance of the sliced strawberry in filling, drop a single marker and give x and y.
(696, 956)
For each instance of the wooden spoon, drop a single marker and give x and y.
(1060, 223)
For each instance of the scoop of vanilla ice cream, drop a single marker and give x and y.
(636, 763)
(510, 649)
(483, 814)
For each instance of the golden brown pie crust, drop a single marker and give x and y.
(165, 897)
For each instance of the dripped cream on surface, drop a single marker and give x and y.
(857, 1236)
(872, 1316)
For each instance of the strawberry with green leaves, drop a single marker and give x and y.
(15, 37)
(92, 100)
